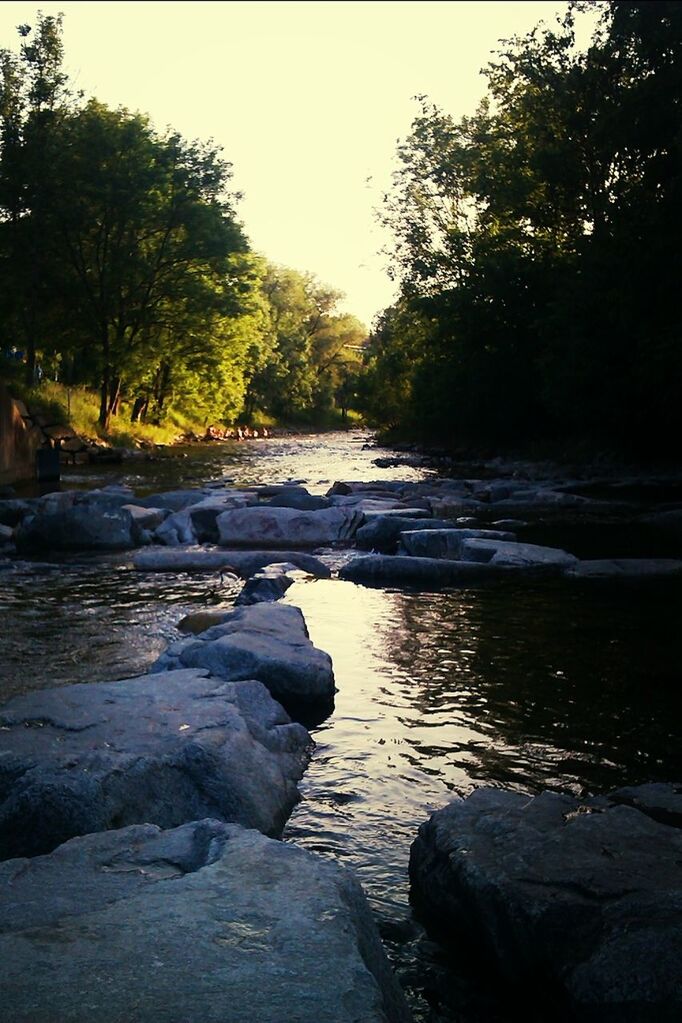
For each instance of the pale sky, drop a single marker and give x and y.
(308, 100)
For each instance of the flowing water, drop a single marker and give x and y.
(527, 685)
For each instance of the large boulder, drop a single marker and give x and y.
(424, 573)
(273, 527)
(444, 543)
(244, 563)
(382, 533)
(165, 748)
(206, 922)
(580, 904)
(506, 554)
(268, 642)
(81, 527)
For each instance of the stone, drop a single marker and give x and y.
(444, 543)
(174, 500)
(177, 530)
(403, 511)
(428, 573)
(206, 922)
(163, 748)
(6, 534)
(547, 560)
(299, 498)
(79, 528)
(243, 563)
(268, 585)
(579, 904)
(383, 532)
(13, 510)
(147, 518)
(268, 642)
(626, 568)
(662, 801)
(204, 514)
(272, 527)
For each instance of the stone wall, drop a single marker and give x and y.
(20, 438)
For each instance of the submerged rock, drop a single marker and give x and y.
(268, 642)
(165, 748)
(270, 527)
(579, 904)
(207, 923)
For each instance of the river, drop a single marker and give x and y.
(532, 686)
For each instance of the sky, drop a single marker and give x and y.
(307, 99)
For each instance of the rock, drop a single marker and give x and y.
(243, 563)
(517, 555)
(81, 527)
(444, 543)
(200, 621)
(6, 534)
(668, 522)
(164, 748)
(401, 511)
(177, 530)
(299, 498)
(390, 569)
(12, 511)
(203, 515)
(269, 527)
(268, 642)
(146, 518)
(579, 905)
(452, 507)
(174, 500)
(626, 568)
(270, 584)
(206, 922)
(661, 801)
(383, 532)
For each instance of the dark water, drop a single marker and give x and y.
(530, 686)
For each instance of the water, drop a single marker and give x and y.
(529, 686)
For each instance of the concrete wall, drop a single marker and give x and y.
(19, 440)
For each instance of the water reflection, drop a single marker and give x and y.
(534, 687)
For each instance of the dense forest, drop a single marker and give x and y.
(124, 267)
(537, 249)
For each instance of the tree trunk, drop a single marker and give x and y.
(30, 377)
(138, 407)
(104, 416)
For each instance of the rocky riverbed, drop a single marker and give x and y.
(513, 661)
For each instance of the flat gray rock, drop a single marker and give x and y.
(275, 527)
(244, 563)
(269, 584)
(268, 642)
(626, 568)
(396, 569)
(165, 748)
(507, 554)
(205, 923)
(579, 904)
(444, 543)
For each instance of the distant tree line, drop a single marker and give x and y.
(537, 248)
(123, 266)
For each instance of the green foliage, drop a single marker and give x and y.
(535, 245)
(124, 268)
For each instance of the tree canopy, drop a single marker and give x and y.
(534, 244)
